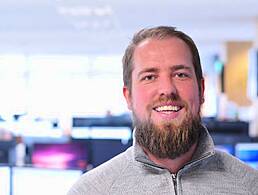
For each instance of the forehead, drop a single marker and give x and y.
(165, 51)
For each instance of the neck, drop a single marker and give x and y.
(173, 165)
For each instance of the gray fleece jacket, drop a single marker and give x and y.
(210, 172)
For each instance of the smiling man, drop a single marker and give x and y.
(173, 152)
(165, 100)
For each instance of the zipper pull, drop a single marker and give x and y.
(173, 176)
(174, 182)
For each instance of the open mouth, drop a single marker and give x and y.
(168, 108)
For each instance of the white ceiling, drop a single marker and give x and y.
(30, 26)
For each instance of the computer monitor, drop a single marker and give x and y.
(60, 155)
(104, 150)
(5, 179)
(248, 152)
(122, 133)
(41, 181)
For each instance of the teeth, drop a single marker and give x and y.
(167, 108)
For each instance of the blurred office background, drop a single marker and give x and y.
(61, 106)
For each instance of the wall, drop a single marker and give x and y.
(236, 72)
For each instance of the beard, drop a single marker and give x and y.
(169, 140)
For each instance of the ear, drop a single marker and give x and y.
(202, 91)
(127, 96)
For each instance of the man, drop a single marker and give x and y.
(172, 151)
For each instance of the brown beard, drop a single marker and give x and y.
(168, 141)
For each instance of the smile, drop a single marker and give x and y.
(168, 108)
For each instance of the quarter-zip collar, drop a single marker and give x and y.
(204, 150)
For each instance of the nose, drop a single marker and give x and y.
(167, 86)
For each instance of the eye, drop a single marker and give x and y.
(149, 78)
(182, 75)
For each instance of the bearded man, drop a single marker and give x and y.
(172, 152)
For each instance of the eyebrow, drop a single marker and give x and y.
(173, 68)
(180, 67)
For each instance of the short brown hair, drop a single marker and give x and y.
(160, 32)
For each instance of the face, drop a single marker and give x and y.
(164, 94)
(163, 68)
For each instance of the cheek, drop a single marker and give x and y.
(142, 97)
(191, 96)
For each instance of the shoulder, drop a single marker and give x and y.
(232, 163)
(101, 178)
(237, 170)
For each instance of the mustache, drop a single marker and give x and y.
(169, 97)
(166, 98)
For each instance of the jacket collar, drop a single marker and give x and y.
(205, 149)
